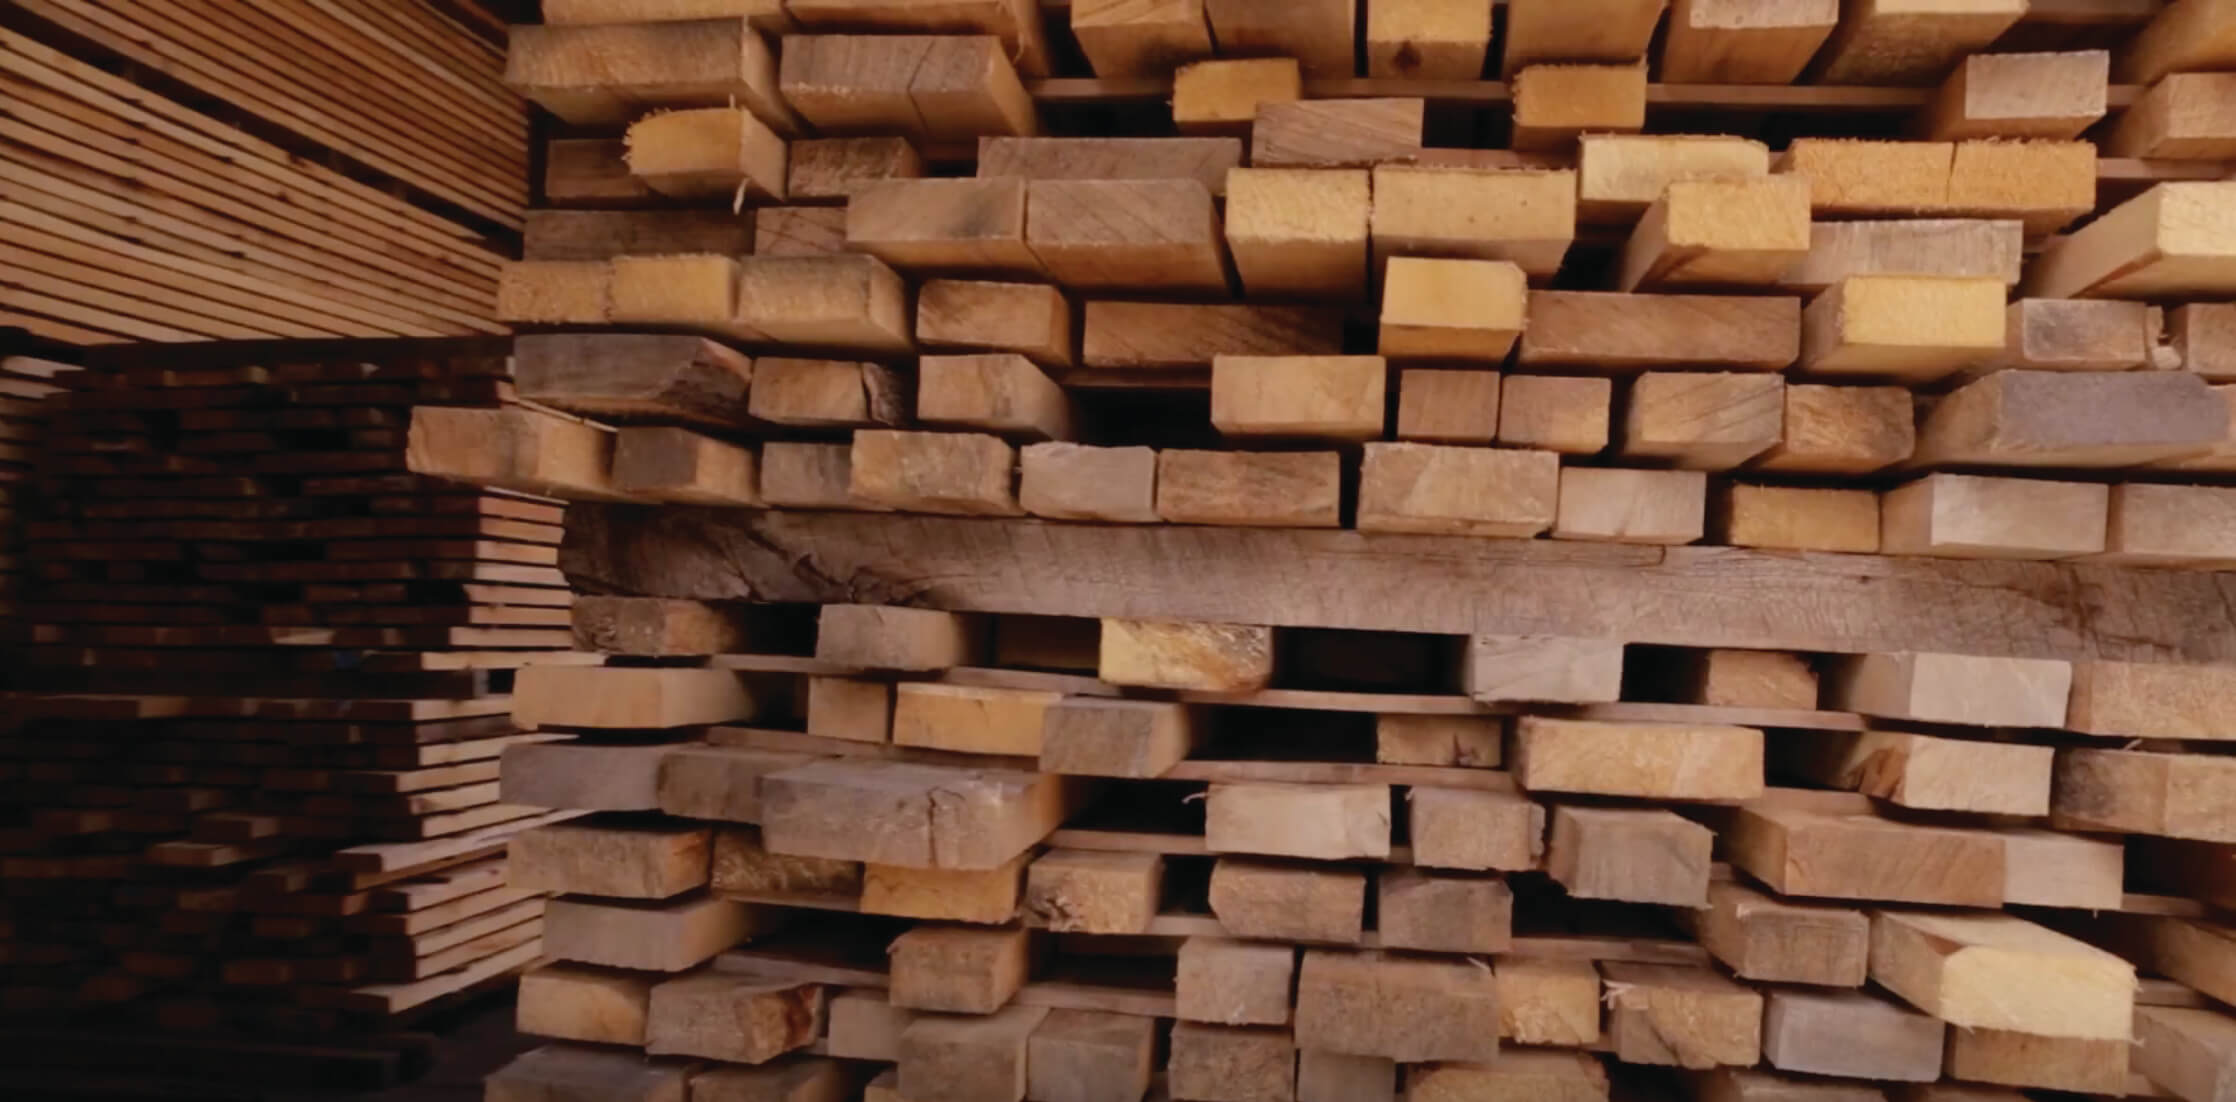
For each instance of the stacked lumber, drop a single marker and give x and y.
(1638, 578)
(25, 383)
(243, 171)
(251, 765)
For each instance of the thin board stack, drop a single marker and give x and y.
(252, 766)
(25, 383)
(238, 171)
(1524, 593)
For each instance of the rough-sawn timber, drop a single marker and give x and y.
(1691, 596)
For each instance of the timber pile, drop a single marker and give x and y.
(245, 171)
(25, 384)
(1483, 589)
(251, 774)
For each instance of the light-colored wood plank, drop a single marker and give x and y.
(1528, 217)
(1426, 40)
(1744, 231)
(2170, 241)
(1320, 34)
(1976, 516)
(2070, 419)
(1850, 1034)
(1449, 309)
(1554, 104)
(1299, 397)
(678, 466)
(1223, 96)
(1336, 133)
(1298, 232)
(1631, 506)
(1206, 657)
(998, 392)
(973, 225)
(2186, 526)
(622, 697)
(1929, 772)
(1619, 175)
(1957, 247)
(1743, 41)
(1078, 482)
(1127, 234)
(1440, 406)
(1803, 853)
(1271, 489)
(1653, 761)
(1965, 968)
(2140, 792)
(1704, 420)
(1685, 1017)
(1639, 855)
(1459, 829)
(1603, 30)
(1327, 822)
(1287, 901)
(2015, 95)
(1124, 38)
(1904, 328)
(1404, 1008)
(1606, 331)
(934, 472)
(1773, 940)
(1953, 688)
(1903, 42)
(1465, 491)
(1562, 414)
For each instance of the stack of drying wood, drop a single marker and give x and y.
(239, 171)
(25, 384)
(252, 768)
(1073, 616)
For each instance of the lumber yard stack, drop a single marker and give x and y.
(237, 171)
(1692, 569)
(262, 677)
(25, 383)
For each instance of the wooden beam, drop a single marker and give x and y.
(609, 74)
(2079, 335)
(1336, 133)
(1975, 516)
(1634, 854)
(1547, 1002)
(934, 472)
(1082, 1053)
(1443, 912)
(1631, 506)
(1404, 1008)
(1329, 822)
(1288, 901)
(582, 775)
(1228, 982)
(1462, 491)
(2160, 244)
(958, 969)
(1654, 761)
(1426, 40)
(1017, 23)
(1299, 397)
(1089, 892)
(1206, 160)
(1739, 42)
(827, 169)
(1771, 940)
(2185, 116)
(1904, 42)
(826, 394)
(2187, 1050)
(799, 231)
(1973, 248)
(1953, 688)
(708, 153)
(987, 896)
(2150, 700)
(1561, 414)
(605, 234)
(1601, 30)
(1745, 231)
(1125, 38)
(1643, 595)
(1554, 104)
(1792, 518)
(2183, 526)
(2072, 419)
(901, 813)
(1445, 407)
(1528, 217)
(718, 783)
(1904, 328)
(842, 303)
(2140, 792)
(1144, 235)
(1299, 232)
(1926, 771)
(1445, 309)
(675, 936)
(1965, 968)
(2024, 1059)
(2039, 95)
(1340, 1077)
(1685, 1017)
(515, 449)
(1460, 829)
(1619, 175)
(555, 292)
(1843, 430)
(952, 1058)
(1611, 331)
(1223, 97)
(970, 719)
(625, 697)
(1320, 34)
(1708, 421)
(1800, 852)
(623, 375)
(556, 1071)
(1078, 482)
(934, 87)
(998, 392)
(2195, 35)
(1231, 1061)
(967, 226)
(1244, 489)
(627, 862)
(682, 467)
(1156, 335)
(1851, 1034)
(743, 866)
(809, 476)
(574, 1003)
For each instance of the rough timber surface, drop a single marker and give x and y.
(1459, 585)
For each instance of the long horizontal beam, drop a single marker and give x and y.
(1688, 596)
